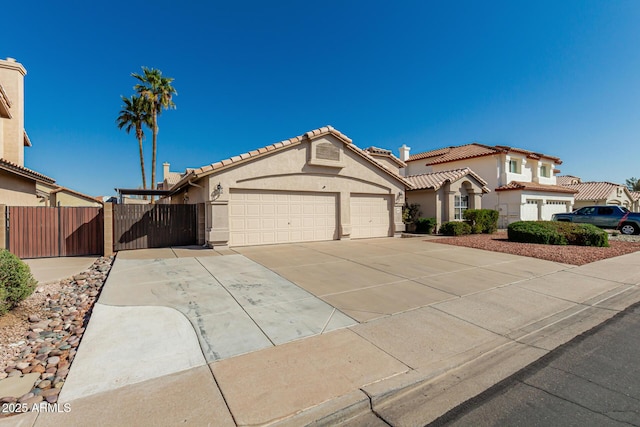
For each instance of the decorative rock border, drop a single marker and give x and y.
(53, 338)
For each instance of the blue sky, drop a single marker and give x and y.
(558, 77)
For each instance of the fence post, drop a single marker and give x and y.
(3, 227)
(107, 217)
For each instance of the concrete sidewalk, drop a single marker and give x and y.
(46, 270)
(439, 324)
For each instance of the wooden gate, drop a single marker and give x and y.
(154, 226)
(40, 232)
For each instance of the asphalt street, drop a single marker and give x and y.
(593, 380)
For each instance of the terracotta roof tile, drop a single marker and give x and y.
(435, 180)
(635, 195)
(21, 170)
(534, 186)
(594, 190)
(469, 151)
(567, 179)
(381, 152)
(196, 173)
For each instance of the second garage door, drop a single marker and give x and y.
(370, 216)
(266, 217)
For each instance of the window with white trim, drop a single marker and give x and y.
(514, 166)
(544, 171)
(461, 204)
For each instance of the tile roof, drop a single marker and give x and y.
(567, 179)
(594, 190)
(381, 152)
(173, 177)
(534, 186)
(22, 171)
(469, 151)
(635, 195)
(260, 152)
(435, 180)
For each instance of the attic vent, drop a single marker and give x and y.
(327, 151)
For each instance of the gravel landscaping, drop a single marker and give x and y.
(42, 333)
(574, 255)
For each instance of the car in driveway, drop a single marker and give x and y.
(606, 216)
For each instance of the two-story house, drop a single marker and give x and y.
(520, 184)
(20, 186)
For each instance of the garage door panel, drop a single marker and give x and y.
(281, 217)
(370, 216)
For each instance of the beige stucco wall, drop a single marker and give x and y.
(15, 191)
(291, 170)
(12, 131)
(62, 198)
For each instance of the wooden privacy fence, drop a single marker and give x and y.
(40, 232)
(154, 226)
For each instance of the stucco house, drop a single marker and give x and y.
(20, 186)
(520, 184)
(599, 193)
(316, 186)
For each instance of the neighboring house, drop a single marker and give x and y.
(601, 193)
(20, 186)
(316, 186)
(522, 183)
(169, 179)
(635, 195)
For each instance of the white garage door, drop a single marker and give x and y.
(266, 217)
(552, 207)
(530, 210)
(370, 216)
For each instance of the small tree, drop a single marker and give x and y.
(633, 184)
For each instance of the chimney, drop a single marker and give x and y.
(165, 170)
(404, 152)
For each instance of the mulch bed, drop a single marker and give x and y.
(574, 255)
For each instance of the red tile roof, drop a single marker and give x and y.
(534, 186)
(635, 195)
(595, 190)
(22, 171)
(567, 179)
(435, 180)
(260, 152)
(469, 151)
(381, 152)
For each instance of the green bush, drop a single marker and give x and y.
(455, 228)
(16, 281)
(426, 225)
(410, 213)
(482, 220)
(557, 233)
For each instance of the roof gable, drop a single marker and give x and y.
(279, 146)
(469, 151)
(593, 190)
(436, 180)
(24, 172)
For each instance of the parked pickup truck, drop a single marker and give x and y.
(604, 217)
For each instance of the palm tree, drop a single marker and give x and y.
(157, 90)
(134, 113)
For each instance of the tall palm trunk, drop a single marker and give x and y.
(153, 149)
(140, 135)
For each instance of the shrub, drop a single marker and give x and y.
(557, 233)
(425, 225)
(16, 281)
(410, 213)
(455, 228)
(482, 220)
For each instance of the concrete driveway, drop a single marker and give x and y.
(282, 329)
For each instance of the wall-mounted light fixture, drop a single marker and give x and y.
(219, 188)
